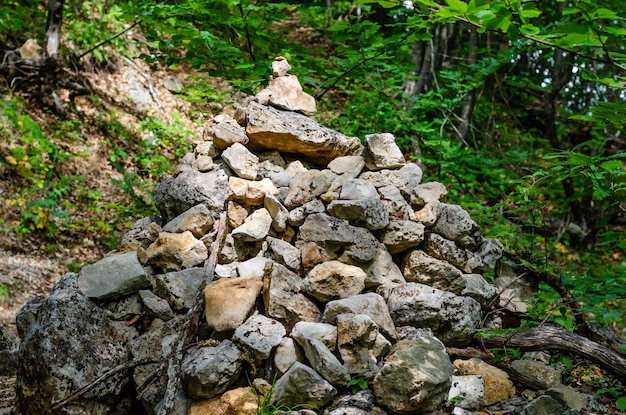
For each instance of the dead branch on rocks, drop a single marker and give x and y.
(192, 323)
(552, 337)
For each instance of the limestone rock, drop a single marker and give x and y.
(227, 133)
(179, 288)
(543, 405)
(278, 212)
(399, 209)
(428, 214)
(176, 251)
(360, 245)
(536, 374)
(415, 377)
(249, 192)
(332, 280)
(242, 161)
(155, 306)
(291, 132)
(113, 277)
(439, 247)
(175, 195)
(467, 392)
(382, 152)
(285, 253)
(197, 220)
(361, 403)
(351, 166)
(356, 336)
(326, 333)
(370, 304)
(454, 223)
(426, 193)
(287, 353)
(357, 189)
(452, 318)
(301, 385)
(498, 387)
(284, 300)
(69, 342)
(370, 213)
(516, 293)
(285, 92)
(382, 270)
(238, 401)
(141, 234)
(255, 227)
(421, 267)
(208, 371)
(307, 185)
(229, 301)
(325, 363)
(402, 235)
(258, 335)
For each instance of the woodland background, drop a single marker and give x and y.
(518, 107)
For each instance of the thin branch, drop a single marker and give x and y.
(153, 93)
(135, 23)
(125, 366)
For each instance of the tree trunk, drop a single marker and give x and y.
(52, 39)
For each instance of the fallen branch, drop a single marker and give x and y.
(551, 337)
(105, 41)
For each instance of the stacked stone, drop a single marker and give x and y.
(338, 264)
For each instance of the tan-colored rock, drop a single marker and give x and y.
(240, 401)
(291, 132)
(176, 251)
(250, 192)
(498, 387)
(229, 302)
(255, 227)
(236, 214)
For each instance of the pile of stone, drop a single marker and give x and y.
(339, 267)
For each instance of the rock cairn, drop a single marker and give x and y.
(339, 264)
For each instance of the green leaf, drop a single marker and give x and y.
(457, 5)
(532, 13)
(621, 403)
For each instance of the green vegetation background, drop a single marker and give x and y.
(516, 106)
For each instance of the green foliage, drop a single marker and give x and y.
(4, 292)
(357, 385)
(19, 21)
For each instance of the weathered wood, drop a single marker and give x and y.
(550, 337)
(53, 27)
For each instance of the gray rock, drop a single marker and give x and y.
(543, 405)
(402, 235)
(356, 337)
(141, 234)
(361, 403)
(284, 300)
(291, 132)
(382, 270)
(333, 280)
(333, 233)
(415, 377)
(287, 353)
(325, 363)
(454, 223)
(370, 304)
(8, 353)
(208, 371)
(155, 307)
(125, 308)
(258, 335)
(480, 290)
(425, 193)
(67, 343)
(516, 293)
(179, 288)
(307, 185)
(301, 385)
(369, 213)
(489, 252)
(279, 213)
(535, 374)
(568, 397)
(113, 277)
(357, 189)
(226, 134)
(285, 253)
(439, 247)
(197, 220)
(175, 195)
(241, 161)
(382, 152)
(411, 176)
(351, 166)
(428, 214)
(326, 333)
(398, 207)
(420, 267)
(452, 318)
